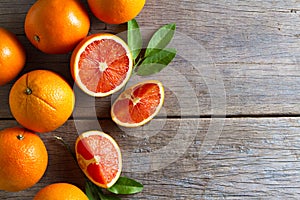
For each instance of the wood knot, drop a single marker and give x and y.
(293, 11)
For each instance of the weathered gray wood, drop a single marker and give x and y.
(232, 31)
(243, 53)
(235, 31)
(254, 46)
(252, 90)
(251, 159)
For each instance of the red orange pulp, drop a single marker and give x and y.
(101, 64)
(138, 104)
(99, 157)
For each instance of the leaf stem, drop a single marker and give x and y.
(138, 62)
(67, 146)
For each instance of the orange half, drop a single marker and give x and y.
(101, 64)
(138, 104)
(99, 157)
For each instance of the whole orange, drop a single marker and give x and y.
(23, 159)
(41, 101)
(55, 26)
(116, 11)
(60, 191)
(12, 56)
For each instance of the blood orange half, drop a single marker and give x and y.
(138, 104)
(101, 64)
(99, 157)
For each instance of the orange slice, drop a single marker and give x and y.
(138, 104)
(99, 157)
(101, 64)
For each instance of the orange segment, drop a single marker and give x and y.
(99, 157)
(101, 64)
(138, 104)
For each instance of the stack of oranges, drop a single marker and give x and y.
(41, 100)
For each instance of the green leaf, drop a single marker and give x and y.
(156, 62)
(107, 197)
(160, 39)
(95, 193)
(126, 185)
(134, 38)
(89, 191)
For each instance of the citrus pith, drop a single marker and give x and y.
(99, 157)
(101, 64)
(138, 104)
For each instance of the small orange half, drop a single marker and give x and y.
(138, 104)
(101, 64)
(99, 157)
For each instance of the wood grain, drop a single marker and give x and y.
(253, 48)
(251, 159)
(252, 90)
(238, 59)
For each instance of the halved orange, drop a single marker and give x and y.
(101, 64)
(99, 157)
(138, 104)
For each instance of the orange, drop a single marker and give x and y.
(41, 101)
(55, 26)
(116, 11)
(60, 191)
(12, 56)
(99, 157)
(101, 64)
(138, 104)
(23, 159)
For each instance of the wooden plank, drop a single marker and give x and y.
(251, 159)
(253, 90)
(231, 31)
(234, 58)
(235, 31)
(254, 47)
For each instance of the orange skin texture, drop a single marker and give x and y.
(60, 191)
(23, 159)
(55, 26)
(12, 56)
(116, 11)
(41, 101)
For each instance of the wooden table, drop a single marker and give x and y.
(230, 125)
